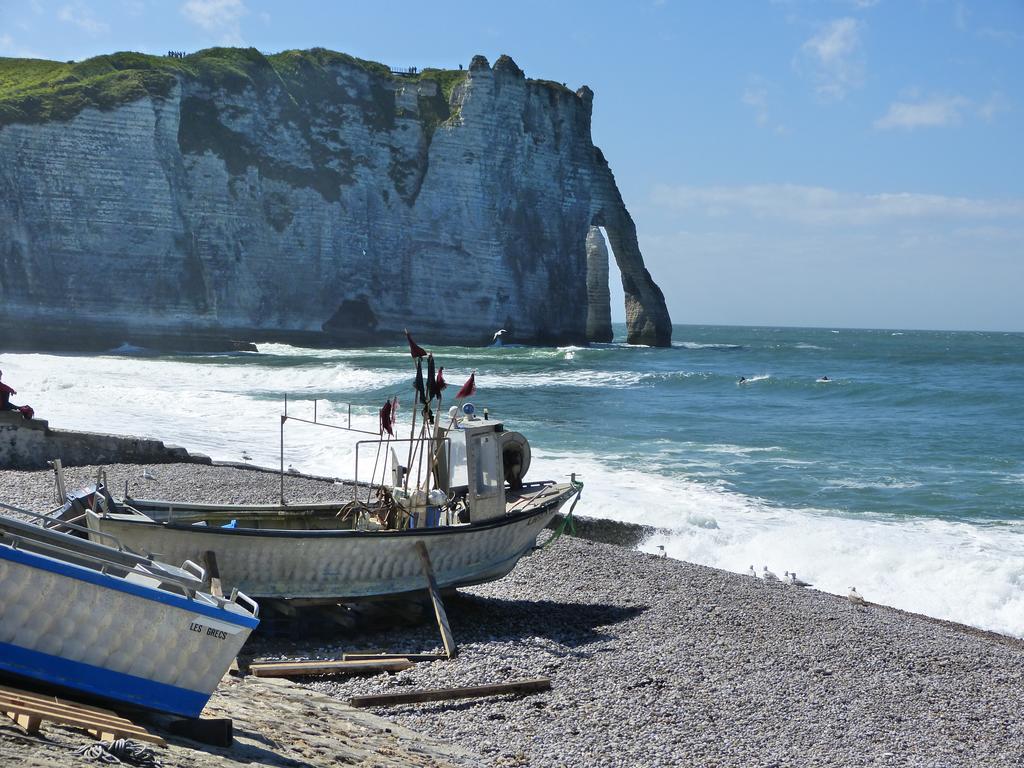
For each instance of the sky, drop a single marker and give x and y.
(839, 163)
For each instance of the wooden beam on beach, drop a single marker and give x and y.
(217, 590)
(212, 573)
(327, 667)
(521, 687)
(370, 656)
(447, 638)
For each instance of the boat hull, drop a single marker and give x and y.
(341, 565)
(113, 638)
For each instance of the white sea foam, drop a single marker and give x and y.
(950, 570)
(964, 572)
(706, 345)
(756, 378)
(883, 483)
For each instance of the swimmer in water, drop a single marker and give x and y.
(743, 380)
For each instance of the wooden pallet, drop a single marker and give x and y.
(29, 710)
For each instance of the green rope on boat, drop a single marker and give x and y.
(567, 520)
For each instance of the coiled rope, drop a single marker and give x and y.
(119, 751)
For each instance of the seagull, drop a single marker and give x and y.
(752, 572)
(497, 337)
(855, 597)
(768, 575)
(246, 456)
(792, 580)
(147, 475)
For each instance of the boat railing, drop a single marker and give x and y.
(55, 524)
(101, 564)
(93, 552)
(386, 443)
(286, 417)
(241, 597)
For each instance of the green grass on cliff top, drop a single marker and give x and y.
(36, 91)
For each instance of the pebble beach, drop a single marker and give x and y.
(653, 661)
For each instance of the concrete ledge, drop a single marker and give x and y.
(30, 444)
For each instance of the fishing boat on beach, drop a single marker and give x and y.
(99, 620)
(455, 497)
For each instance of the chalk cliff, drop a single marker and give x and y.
(306, 196)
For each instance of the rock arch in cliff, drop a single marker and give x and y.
(647, 318)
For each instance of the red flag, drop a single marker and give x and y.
(431, 378)
(417, 383)
(414, 349)
(469, 388)
(385, 419)
(441, 383)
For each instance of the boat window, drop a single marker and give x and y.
(486, 465)
(457, 472)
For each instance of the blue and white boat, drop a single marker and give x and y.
(103, 621)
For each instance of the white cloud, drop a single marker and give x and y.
(995, 104)
(934, 112)
(81, 16)
(757, 96)
(834, 59)
(217, 17)
(10, 47)
(824, 206)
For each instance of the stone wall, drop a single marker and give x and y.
(30, 444)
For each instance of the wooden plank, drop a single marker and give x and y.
(435, 597)
(31, 696)
(32, 703)
(29, 710)
(212, 573)
(327, 667)
(217, 590)
(124, 729)
(51, 713)
(29, 722)
(534, 685)
(357, 656)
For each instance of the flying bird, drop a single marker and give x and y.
(496, 341)
(855, 597)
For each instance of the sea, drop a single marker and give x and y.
(902, 474)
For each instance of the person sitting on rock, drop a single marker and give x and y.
(7, 405)
(5, 396)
